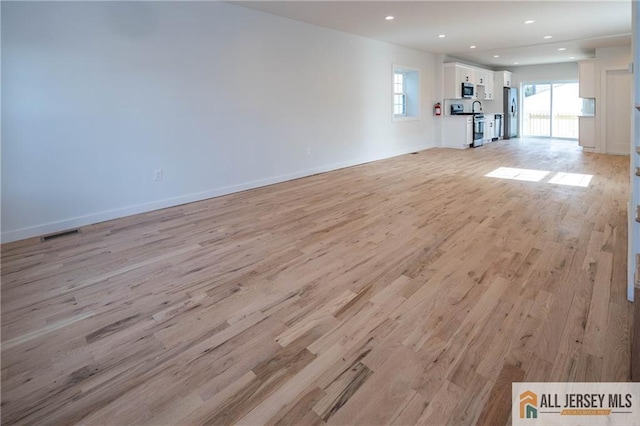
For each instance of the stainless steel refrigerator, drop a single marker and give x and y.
(510, 113)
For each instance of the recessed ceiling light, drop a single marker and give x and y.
(389, 18)
(548, 36)
(530, 21)
(472, 47)
(562, 48)
(496, 56)
(572, 57)
(441, 36)
(515, 63)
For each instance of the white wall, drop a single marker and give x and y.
(439, 95)
(565, 71)
(614, 57)
(222, 98)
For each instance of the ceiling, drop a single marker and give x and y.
(496, 28)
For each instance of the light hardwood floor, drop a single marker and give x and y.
(409, 290)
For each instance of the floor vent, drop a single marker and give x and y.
(413, 153)
(60, 234)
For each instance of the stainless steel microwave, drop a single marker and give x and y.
(467, 90)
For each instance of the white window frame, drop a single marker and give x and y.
(411, 101)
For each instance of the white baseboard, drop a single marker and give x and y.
(75, 222)
(454, 146)
(618, 150)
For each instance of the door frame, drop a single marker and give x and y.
(601, 118)
(521, 106)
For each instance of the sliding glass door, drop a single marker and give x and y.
(550, 110)
(566, 106)
(536, 110)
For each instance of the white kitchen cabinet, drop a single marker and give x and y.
(457, 131)
(486, 91)
(507, 79)
(481, 84)
(587, 132)
(587, 79)
(489, 128)
(454, 75)
(466, 74)
(469, 75)
(484, 81)
(491, 87)
(504, 78)
(452, 88)
(481, 77)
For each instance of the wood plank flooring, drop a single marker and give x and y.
(412, 290)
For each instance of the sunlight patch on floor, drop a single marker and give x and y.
(518, 174)
(529, 175)
(571, 179)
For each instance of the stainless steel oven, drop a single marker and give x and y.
(478, 130)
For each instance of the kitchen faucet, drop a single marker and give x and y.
(473, 106)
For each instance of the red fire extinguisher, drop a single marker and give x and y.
(437, 109)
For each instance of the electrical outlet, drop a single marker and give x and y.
(308, 151)
(157, 175)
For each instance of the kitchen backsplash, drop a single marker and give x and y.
(487, 106)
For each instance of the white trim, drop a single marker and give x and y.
(93, 218)
(631, 254)
(399, 118)
(633, 228)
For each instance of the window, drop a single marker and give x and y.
(406, 93)
(399, 97)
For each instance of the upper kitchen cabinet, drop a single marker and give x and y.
(486, 85)
(482, 77)
(504, 77)
(490, 87)
(466, 74)
(454, 75)
(587, 78)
